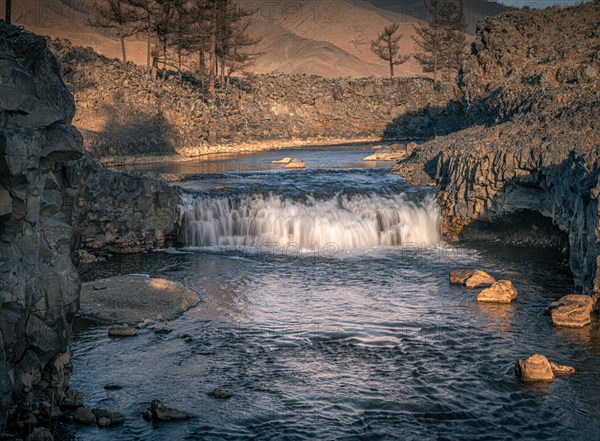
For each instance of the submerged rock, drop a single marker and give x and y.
(560, 369)
(220, 393)
(502, 291)
(534, 369)
(388, 153)
(479, 279)
(111, 386)
(122, 331)
(571, 311)
(160, 412)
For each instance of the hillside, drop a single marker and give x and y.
(329, 39)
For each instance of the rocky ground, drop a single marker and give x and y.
(532, 96)
(122, 112)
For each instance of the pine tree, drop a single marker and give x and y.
(387, 47)
(442, 40)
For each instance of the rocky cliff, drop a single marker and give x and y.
(532, 92)
(122, 213)
(123, 112)
(39, 288)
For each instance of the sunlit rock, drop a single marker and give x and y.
(571, 311)
(502, 291)
(479, 279)
(534, 369)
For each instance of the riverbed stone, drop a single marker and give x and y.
(109, 418)
(535, 368)
(559, 369)
(571, 311)
(295, 164)
(160, 412)
(122, 331)
(502, 291)
(220, 394)
(479, 279)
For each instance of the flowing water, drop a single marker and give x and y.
(326, 310)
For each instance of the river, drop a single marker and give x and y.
(326, 309)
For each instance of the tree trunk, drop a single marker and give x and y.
(8, 12)
(391, 57)
(123, 52)
(212, 70)
(148, 49)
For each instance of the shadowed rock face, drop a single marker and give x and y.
(39, 288)
(532, 85)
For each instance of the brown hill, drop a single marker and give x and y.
(329, 39)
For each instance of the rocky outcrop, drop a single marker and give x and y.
(117, 212)
(39, 288)
(533, 97)
(173, 116)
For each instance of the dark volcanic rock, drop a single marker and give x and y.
(39, 287)
(535, 141)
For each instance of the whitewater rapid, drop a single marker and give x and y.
(342, 221)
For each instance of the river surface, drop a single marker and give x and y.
(325, 308)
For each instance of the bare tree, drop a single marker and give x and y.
(8, 12)
(387, 47)
(442, 40)
(119, 16)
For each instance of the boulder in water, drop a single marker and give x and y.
(538, 368)
(84, 415)
(294, 164)
(459, 277)
(534, 369)
(571, 311)
(479, 279)
(388, 153)
(502, 291)
(160, 412)
(221, 394)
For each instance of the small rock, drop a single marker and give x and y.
(104, 422)
(283, 161)
(72, 399)
(84, 415)
(533, 369)
(502, 291)
(122, 331)
(161, 330)
(113, 418)
(40, 434)
(111, 386)
(459, 277)
(559, 369)
(144, 324)
(294, 164)
(571, 311)
(221, 394)
(86, 257)
(479, 279)
(160, 412)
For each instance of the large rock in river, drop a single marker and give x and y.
(502, 291)
(571, 311)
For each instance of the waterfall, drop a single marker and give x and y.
(344, 222)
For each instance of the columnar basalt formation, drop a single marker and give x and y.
(39, 288)
(532, 90)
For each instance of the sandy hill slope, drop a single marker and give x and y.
(328, 38)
